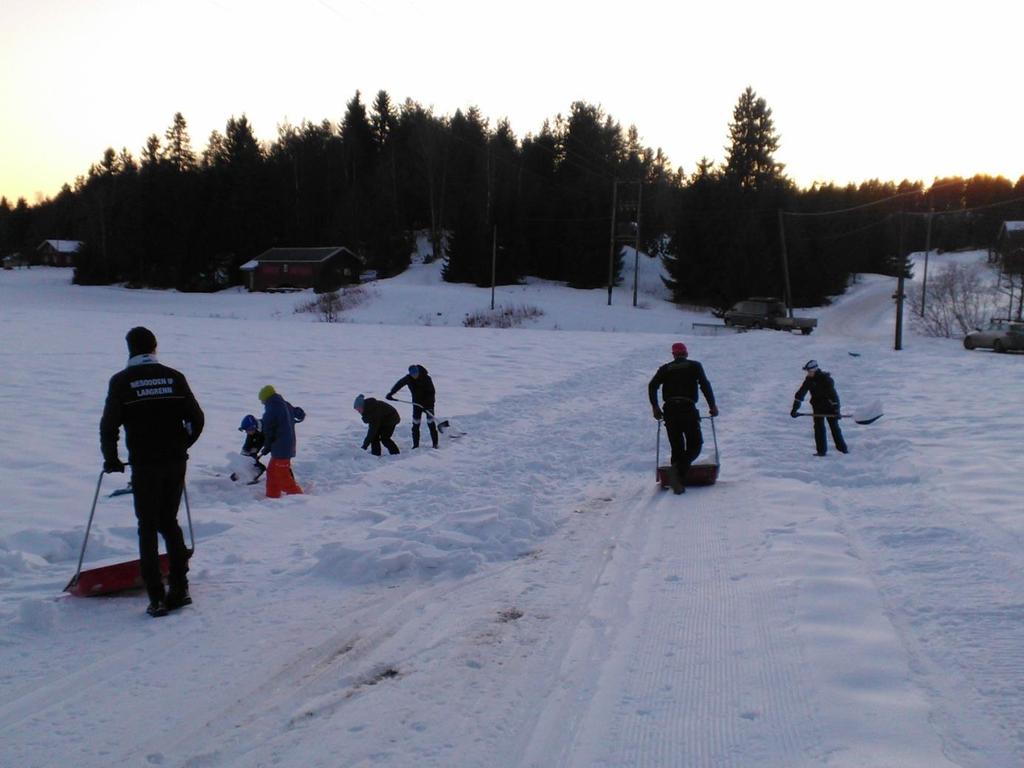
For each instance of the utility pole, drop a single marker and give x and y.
(901, 262)
(785, 263)
(611, 245)
(615, 237)
(636, 245)
(927, 250)
(494, 263)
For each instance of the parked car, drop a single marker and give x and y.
(1000, 336)
(767, 312)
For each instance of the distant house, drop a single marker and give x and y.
(323, 269)
(1009, 247)
(58, 253)
(1010, 237)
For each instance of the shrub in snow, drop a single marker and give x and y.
(502, 317)
(329, 306)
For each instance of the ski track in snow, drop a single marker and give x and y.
(512, 600)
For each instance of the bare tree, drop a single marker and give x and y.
(959, 300)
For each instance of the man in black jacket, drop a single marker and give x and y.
(824, 403)
(161, 420)
(421, 389)
(383, 419)
(679, 381)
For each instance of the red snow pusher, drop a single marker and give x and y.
(699, 473)
(117, 577)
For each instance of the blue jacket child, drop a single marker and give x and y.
(279, 420)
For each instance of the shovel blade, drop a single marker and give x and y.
(111, 579)
(703, 473)
(869, 413)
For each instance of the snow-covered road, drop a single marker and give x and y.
(526, 596)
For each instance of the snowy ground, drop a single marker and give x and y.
(525, 596)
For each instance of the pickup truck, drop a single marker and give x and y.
(766, 312)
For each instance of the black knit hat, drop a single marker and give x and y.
(140, 341)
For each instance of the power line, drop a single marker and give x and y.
(824, 238)
(911, 193)
(966, 210)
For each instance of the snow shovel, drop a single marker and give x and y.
(118, 577)
(260, 469)
(444, 426)
(120, 491)
(699, 473)
(867, 415)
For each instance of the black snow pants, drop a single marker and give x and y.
(383, 437)
(157, 489)
(418, 411)
(821, 440)
(682, 423)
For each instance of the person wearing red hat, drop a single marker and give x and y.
(679, 381)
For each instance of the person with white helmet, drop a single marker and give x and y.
(825, 404)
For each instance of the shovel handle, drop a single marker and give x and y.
(413, 402)
(85, 539)
(92, 513)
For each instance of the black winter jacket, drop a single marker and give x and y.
(680, 378)
(824, 398)
(160, 415)
(421, 388)
(378, 415)
(253, 444)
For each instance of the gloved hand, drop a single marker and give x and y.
(264, 452)
(389, 396)
(656, 413)
(113, 465)
(795, 412)
(713, 411)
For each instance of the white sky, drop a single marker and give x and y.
(868, 90)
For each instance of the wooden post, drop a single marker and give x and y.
(785, 264)
(636, 245)
(901, 259)
(927, 250)
(611, 246)
(494, 263)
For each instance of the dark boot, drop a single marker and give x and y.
(177, 597)
(415, 435)
(433, 432)
(675, 480)
(156, 608)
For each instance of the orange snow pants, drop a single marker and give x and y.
(280, 478)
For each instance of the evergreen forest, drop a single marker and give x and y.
(559, 204)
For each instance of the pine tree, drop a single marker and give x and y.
(750, 162)
(382, 120)
(216, 150)
(467, 253)
(179, 146)
(590, 157)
